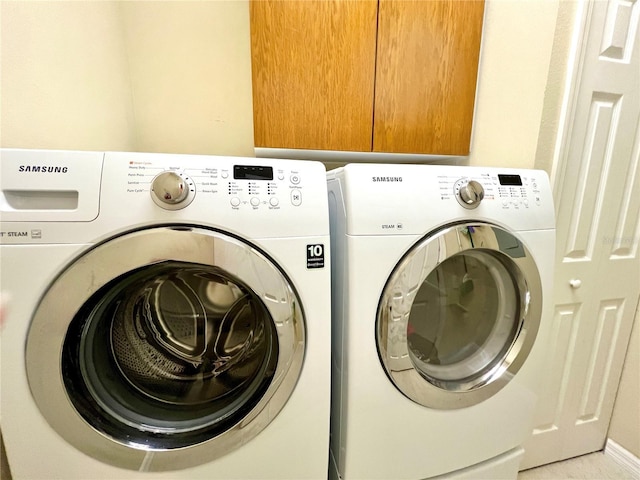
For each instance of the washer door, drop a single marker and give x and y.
(162, 340)
(459, 315)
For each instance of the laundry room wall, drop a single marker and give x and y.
(625, 422)
(517, 42)
(190, 69)
(65, 81)
(137, 76)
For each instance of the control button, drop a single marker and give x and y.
(296, 198)
(280, 176)
(274, 202)
(171, 190)
(295, 179)
(470, 194)
(224, 174)
(255, 201)
(169, 187)
(235, 201)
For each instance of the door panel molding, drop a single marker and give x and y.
(595, 176)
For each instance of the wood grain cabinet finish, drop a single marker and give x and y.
(426, 72)
(313, 67)
(396, 76)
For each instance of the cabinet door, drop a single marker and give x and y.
(313, 73)
(427, 65)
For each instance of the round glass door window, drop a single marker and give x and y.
(173, 352)
(186, 346)
(463, 319)
(458, 315)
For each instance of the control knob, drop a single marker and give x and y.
(471, 194)
(169, 190)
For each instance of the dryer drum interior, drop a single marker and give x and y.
(459, 315)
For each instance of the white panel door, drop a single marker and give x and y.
(598, 232)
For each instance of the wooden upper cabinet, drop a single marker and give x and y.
(395, 76)
(313, 67)
(427, 67)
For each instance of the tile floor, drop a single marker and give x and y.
(594, 466)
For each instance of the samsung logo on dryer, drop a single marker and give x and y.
(42, 169)
(387, 179)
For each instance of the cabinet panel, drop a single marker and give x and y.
(313, 73)
(427, 65)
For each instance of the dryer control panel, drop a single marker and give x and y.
(402, 199)
(511, 191)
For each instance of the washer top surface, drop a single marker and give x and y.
(70, 197)
(411, 199)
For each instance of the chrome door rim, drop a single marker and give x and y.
(399, 293)
(127, 252)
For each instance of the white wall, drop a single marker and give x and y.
(65, 82)
(142, 76)
(625, 422)
(556, 87)
(517, 42)
(190, 66)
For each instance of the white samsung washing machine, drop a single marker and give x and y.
(169, 316)
(442, 281)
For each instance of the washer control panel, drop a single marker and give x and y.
(511, 191)
(258, 186)
(49, 196)
(238, 186)
(232, 183)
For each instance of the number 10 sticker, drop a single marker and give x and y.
(315, 256)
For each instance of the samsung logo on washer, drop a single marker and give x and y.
(42, 169)
(387, 179)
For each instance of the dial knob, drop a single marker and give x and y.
(471, 194)
(169, 188)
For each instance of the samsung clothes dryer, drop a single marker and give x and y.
(169, 316)
(442, 282)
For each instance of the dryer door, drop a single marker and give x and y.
(459, 315)
(181, 342)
